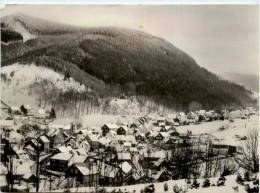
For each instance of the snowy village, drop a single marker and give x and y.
(182, 152)
(129, 98)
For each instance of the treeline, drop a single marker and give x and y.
(68, 103)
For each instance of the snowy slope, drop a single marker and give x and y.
(15, 89)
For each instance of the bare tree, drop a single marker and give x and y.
(249, 159)
(11, 166)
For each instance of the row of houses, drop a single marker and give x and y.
(108, 155)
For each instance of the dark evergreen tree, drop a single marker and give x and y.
(53, 113)
(24, 110)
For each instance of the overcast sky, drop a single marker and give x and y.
(221, 38)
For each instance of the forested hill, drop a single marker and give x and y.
(113, 60)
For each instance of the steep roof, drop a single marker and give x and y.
(182, 114)
(41, 111)
(63, 149)
(112, 126)
(93, 137)
(158, 175)
(124, 127)
(62, 156)
(126, 167)
(28, 107)
(67, 127)
(15, 108)
(44, 139)
(77, 159)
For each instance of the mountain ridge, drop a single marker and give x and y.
(124, 61)
(250, 81)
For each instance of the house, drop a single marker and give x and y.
(126, 138)
(142, 120)
(14, 111)
(71, 141)
(95, 130)
(161, 135)
(110, 175)
(111, 134)
(93, 141)
(159, 164)
(133, 126)
(86, 174)
(56, 138)
(161, 176)
(191, 115)
(163, 129)
(32, 146)
(170, 144)
(176, 122)
(140, 137)
(77, 157)
(59, 162)
(82, 134)
(161, 120)
(68, 129)
(223, 149)
(85, 145)
(169, 121)
(122, 130)
(62, 149)
(44, 143)
(107, 127)
(181, 117)
(174, 134)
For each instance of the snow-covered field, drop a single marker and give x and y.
(159, 187)
(238, 127)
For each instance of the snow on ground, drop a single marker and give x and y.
(98, 120)
(15, 90)
(18, 27)
(159, 187)
(238, 127)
